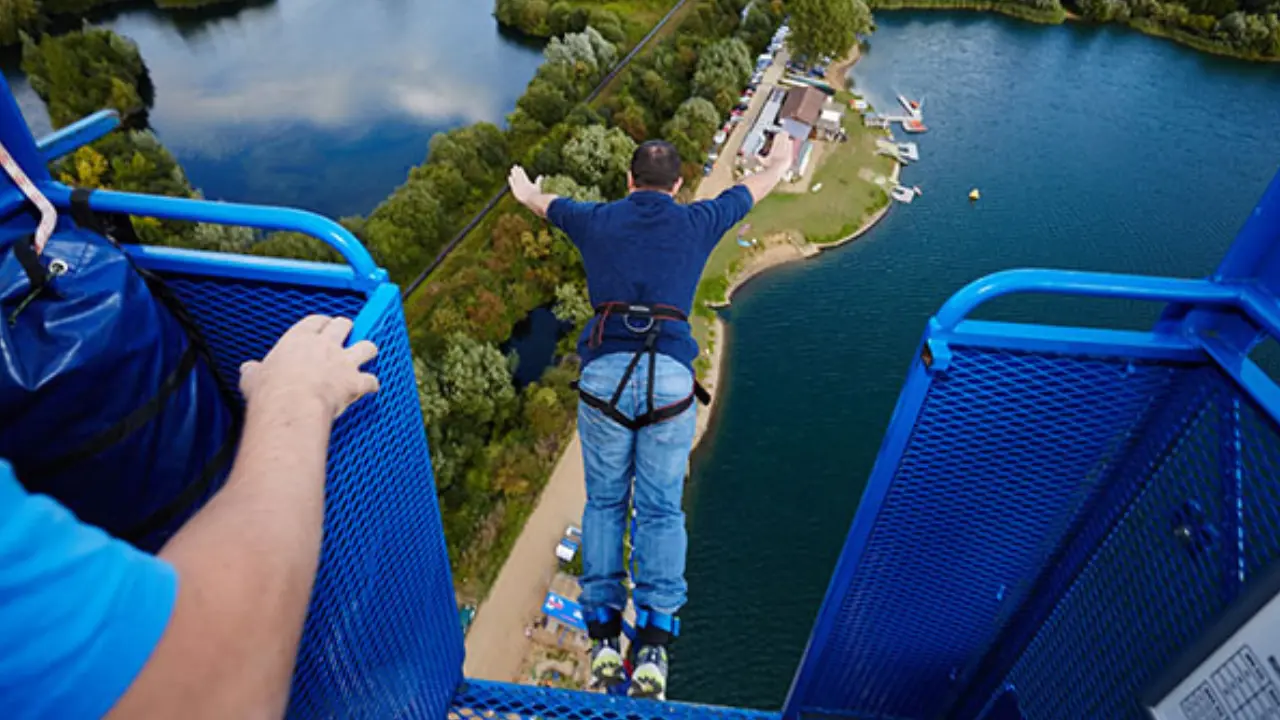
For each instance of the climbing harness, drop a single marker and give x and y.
(655, 628)
(650, 318)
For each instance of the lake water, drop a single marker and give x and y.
(534, 342)
(1094, 149)
(322, 104)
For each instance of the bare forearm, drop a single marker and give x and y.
(539, 203)
(763, 182)
(246, 564)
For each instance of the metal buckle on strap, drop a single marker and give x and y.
(648, 316)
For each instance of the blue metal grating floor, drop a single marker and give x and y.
(483, 700)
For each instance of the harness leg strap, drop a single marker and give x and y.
(656, 628)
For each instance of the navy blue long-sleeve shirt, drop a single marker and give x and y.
(646, 249)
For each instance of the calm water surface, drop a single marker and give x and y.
(323, 104)
(1094, 149)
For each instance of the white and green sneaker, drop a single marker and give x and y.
(649, 679)
(606, 663)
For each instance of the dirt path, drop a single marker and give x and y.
(496, 646)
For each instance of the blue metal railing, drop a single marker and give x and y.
(366, 274)
(81, 132)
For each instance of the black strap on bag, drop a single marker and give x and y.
(652, 316)
(119, 230)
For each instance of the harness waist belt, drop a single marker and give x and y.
(652, 317)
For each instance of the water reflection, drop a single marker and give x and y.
(320, 103)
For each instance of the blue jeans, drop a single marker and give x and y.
(657, 458)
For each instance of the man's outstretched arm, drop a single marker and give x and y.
(529, 192)
(247, 560)
(776, 164)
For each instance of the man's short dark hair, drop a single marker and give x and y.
(655, 165)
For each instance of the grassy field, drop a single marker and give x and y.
(846, 200)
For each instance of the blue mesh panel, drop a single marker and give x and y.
(477, 700)
(382, 637)
(242, 320)
(1006, 451)
(1260, 465)
(1169, 565)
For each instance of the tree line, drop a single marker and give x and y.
(31, 17)
(1248, 29)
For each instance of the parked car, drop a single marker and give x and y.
(720, 137)
(706, 169)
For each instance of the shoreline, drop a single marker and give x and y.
(773, 257)
(1142, 26)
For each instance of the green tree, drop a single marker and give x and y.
(723, 70)
(608, 24)
(544, 102)
(221, 238)
(600, 157)
(478, 152)
(827, 27)
(692, 128)
(587, 55)
(566, 186)
(759, 26)
(546, 417)
(630, 116)
(295, 246)
(16, 17)
(406, 230)
(565, 18)
(475, 379)
(572, 304)
(85, 71)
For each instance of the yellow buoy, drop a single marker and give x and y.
(974, 194)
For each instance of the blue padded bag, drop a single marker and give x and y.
(107, 400)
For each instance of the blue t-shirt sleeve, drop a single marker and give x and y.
(572, 217)
(722, 213)
(80, 612)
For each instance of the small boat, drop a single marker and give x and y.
(912, 106)
(919, 192)
(913, 126)
(903, 194)
(974, 194)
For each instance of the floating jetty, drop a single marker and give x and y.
(902, 152)
(904, 194)
(913, 125)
